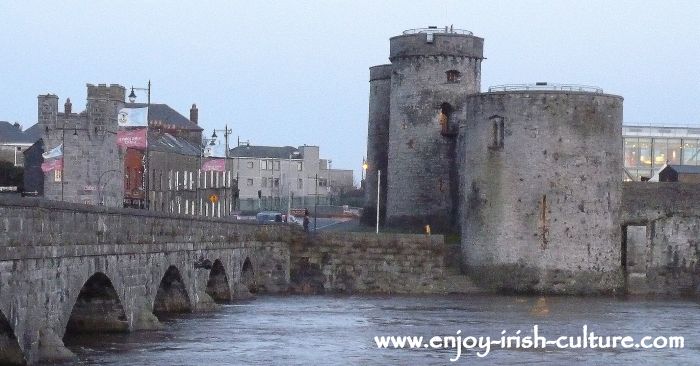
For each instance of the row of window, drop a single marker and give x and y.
(643, 152)
(272, 165)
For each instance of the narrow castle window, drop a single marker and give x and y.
(453, 76)
(498, 132)
(444, 117)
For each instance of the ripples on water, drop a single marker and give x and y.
(340, 331)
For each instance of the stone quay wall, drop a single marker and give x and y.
(369, 263)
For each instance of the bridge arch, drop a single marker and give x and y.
(248, 276)
(172, 296)
(217, 285)
(10, 351)
(97, 309)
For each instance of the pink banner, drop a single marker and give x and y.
(133, 138)
(52, 164)
(217, 165)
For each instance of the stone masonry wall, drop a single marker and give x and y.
(48, 250)
(661, 223)
(371, 263)
(542, 191)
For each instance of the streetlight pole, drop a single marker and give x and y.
(147, 170)
(226, 132)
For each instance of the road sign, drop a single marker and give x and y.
(213, 198)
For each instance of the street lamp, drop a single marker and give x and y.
(146, 171)
(227, 132)
(202, 152)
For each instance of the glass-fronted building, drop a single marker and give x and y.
(648, 148)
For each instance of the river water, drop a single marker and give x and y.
(325, 330)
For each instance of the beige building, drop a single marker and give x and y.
(271, 176)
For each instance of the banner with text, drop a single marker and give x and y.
(52, 164)
(217, 165)
(133, 138)
(133, 117)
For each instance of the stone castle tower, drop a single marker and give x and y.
(92, 165)
(415, 109)
(530, 175)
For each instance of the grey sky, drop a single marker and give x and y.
(293, 73)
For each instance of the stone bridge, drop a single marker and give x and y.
(67, 268)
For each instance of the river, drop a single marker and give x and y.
(327, 330)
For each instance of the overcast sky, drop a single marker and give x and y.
(294, 73)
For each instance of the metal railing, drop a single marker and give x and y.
(434, 30)
(546, 86)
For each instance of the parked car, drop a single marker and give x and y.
(268, 216)
(295, 220)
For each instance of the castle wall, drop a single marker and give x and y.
(378, 134)
(429, 85)
(662, 245)
(542, 191)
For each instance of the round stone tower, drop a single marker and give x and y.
(433, 71)
(377, 135)
(542, 189)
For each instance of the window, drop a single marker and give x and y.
(300, 166)
(300, 183)
(645, 152)
(57, 175)
(690, 152)
(277, 182)
(249, 181)
(322, 182)
(277, 166)
(250, 165)
(453, 76)
(498, 132)
(444, 118)
(631, 152)
(263, 164)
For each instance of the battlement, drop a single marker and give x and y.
(435, 41)
(104, 91)
(434, 30)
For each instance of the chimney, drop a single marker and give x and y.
(194, 114)
(18, 126)
(68, 107)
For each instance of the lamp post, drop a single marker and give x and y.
(329, 186)
(203, 149)
(147, 171)
(226, 132)
(364, 172)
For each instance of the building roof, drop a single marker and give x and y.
(685, 169)
(13, 134)
(269, 152)
(163, 114)
(168, 143)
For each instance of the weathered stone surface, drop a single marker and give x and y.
(49, 251)
(542, 191)
(370, 263)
